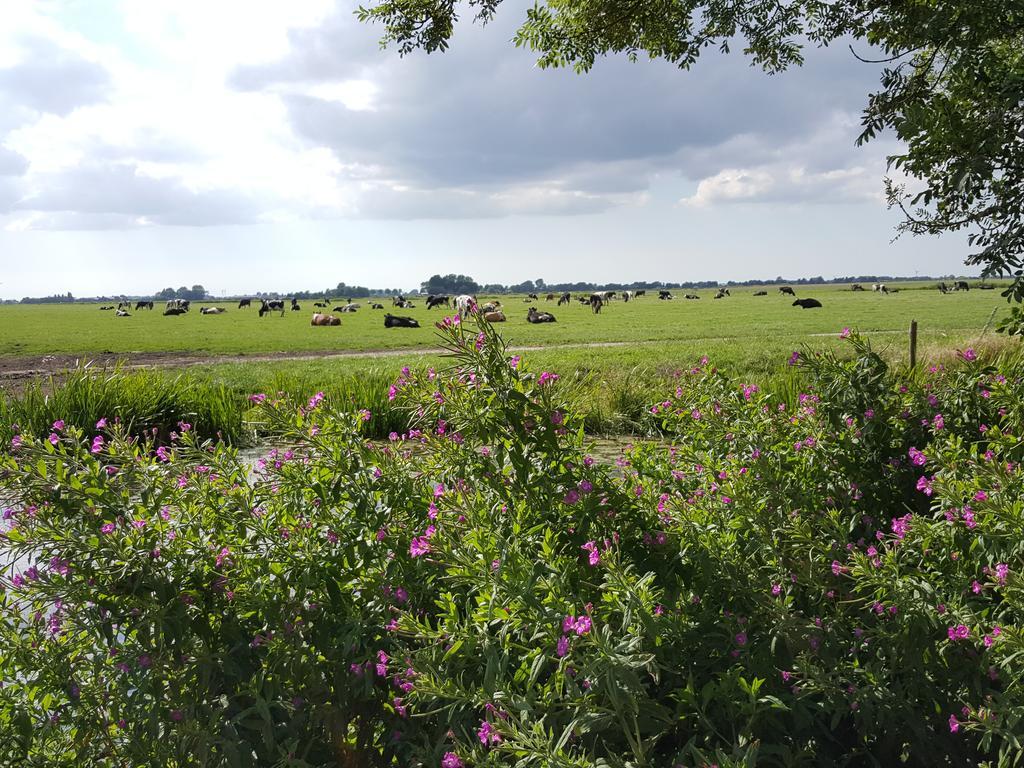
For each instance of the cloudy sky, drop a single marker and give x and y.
(258, 145)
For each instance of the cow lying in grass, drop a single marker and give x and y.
(212, 310)
(393, 321)
(533, 316)
(494, 316)
(807, 303)
(322, 319)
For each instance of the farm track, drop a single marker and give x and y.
(16, 368)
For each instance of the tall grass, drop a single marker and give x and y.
(612, 400)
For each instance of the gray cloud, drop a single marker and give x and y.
(482, 116)
(12, 163)
(117, 196)
(52, 79)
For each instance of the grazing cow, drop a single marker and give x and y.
(533, 316)
(375, 305)
(961, 285)
(879, 287)
(722, 293)
(322, 319)
(786, 290)
(124, 305)
(437, 301)
(397, 301)
(807, 303)
(182, 304)
(856, 287)
(627, 295)
(173, 311)
(608, 295)
(276, 305)
(122, 313)
(760, 293)
(943, 288)
(212, 310)
(665, 295)
(532, 296)
(245, 303)
(549, 297)
(494, 316)
(691, 297)
(596, 302)
(143, 305)
(464, 304)
(565, 298)
(638, 294)
(392, 321)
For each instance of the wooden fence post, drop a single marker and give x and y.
(913, 344)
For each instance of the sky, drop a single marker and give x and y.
(254, 145)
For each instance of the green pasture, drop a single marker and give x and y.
(742, 326)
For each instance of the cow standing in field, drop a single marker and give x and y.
(437, 301)
(596, 302)
(143, 305)
(244, 303)
(856, 287)
(786, 290)
(961, 285)
(464, 304)
(276, 305)
(565, 298)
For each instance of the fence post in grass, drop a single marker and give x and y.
(913, 344)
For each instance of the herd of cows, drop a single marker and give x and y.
(491, 311)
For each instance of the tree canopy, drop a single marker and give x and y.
(952, 90)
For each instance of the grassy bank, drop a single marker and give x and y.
(612, 387)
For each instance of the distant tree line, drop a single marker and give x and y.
(454, 285)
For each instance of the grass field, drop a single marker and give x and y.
(744, 325)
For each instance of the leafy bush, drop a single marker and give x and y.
(835, 583)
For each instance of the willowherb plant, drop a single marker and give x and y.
(772, 584)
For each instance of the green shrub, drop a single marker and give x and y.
(835, 581)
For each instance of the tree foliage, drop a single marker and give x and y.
(952, 90)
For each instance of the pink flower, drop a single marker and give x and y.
(845, 334)
(1002, 570)
(562, 648)
(557, 417)
(794, 358)
(258, 398)
(108, 528)
(547, 378)
(451, 760)
(419, 546)
(969, 355)
(54, 438)
(97, 444)
(917, 458)
(58, 425)
(487, 735)
(571, 497)
(924, 485)
(776, 589)
(981, 496)
(101, 424)
(954, 724)
(959, 632)
(595, 556)
(741, 638)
